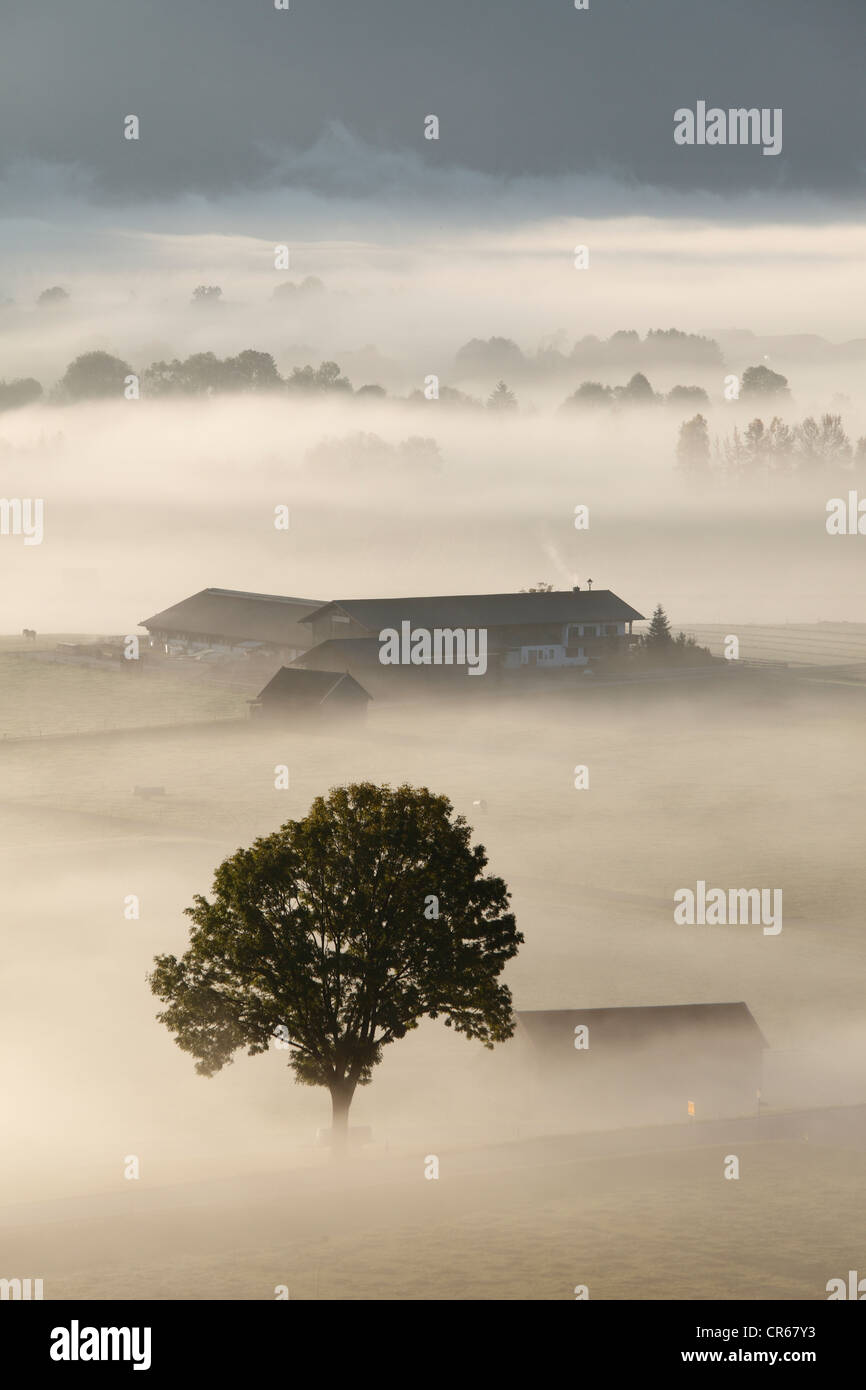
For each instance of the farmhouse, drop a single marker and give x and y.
(294, 694)
(234, 621)
(573, 628)
(569, 628)
(645, 1065)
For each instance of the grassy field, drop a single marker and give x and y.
(40, 698)
(44, 642)
(524, 1222)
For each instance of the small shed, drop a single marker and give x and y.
(645, 1065)
(294, 693)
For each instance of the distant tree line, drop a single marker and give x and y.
(371, 449)
(209, 294)
(100, 376)
(501, 398)
(499, 357)
(802, 448)
(756, 383)
(502, 357)
(636, 391)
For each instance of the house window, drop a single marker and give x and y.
(538, 656)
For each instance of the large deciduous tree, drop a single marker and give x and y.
(337, 934)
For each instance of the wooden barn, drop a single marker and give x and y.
(646, 1065)
(294, 695)
(234, 621)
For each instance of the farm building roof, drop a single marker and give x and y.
(236, 614)
(311, 687)
(340, 650)
(646, 1026)
(483, 610)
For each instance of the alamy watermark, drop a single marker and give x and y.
(20, 1289)
(717, 907)
(441, 646)
(23, 516)
(846, 518)
(77, 1343)
(855, 1288)
(736, 126)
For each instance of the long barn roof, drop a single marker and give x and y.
(237, 614)
(483, 610)
(649, 1026)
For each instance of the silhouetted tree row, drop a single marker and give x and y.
(96, 376)
(101, 376)
(502, 357)
(776, 447)
(757, 383)
(637, 391)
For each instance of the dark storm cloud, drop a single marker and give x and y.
(228, 92)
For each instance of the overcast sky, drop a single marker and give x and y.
(233, 93)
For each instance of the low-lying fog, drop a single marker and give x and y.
(748, 782)
(737, 787)
(146, 502)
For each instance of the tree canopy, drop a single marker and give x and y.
(501, 398)
(205, 374)
(693, 445)
(659, 630)
(95, 376)
(338, 934)
(20, 392)
(325, 377)
(761, 381)
(55, 294)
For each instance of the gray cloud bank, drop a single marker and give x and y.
(234, 97)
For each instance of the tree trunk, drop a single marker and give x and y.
(341, 1099)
